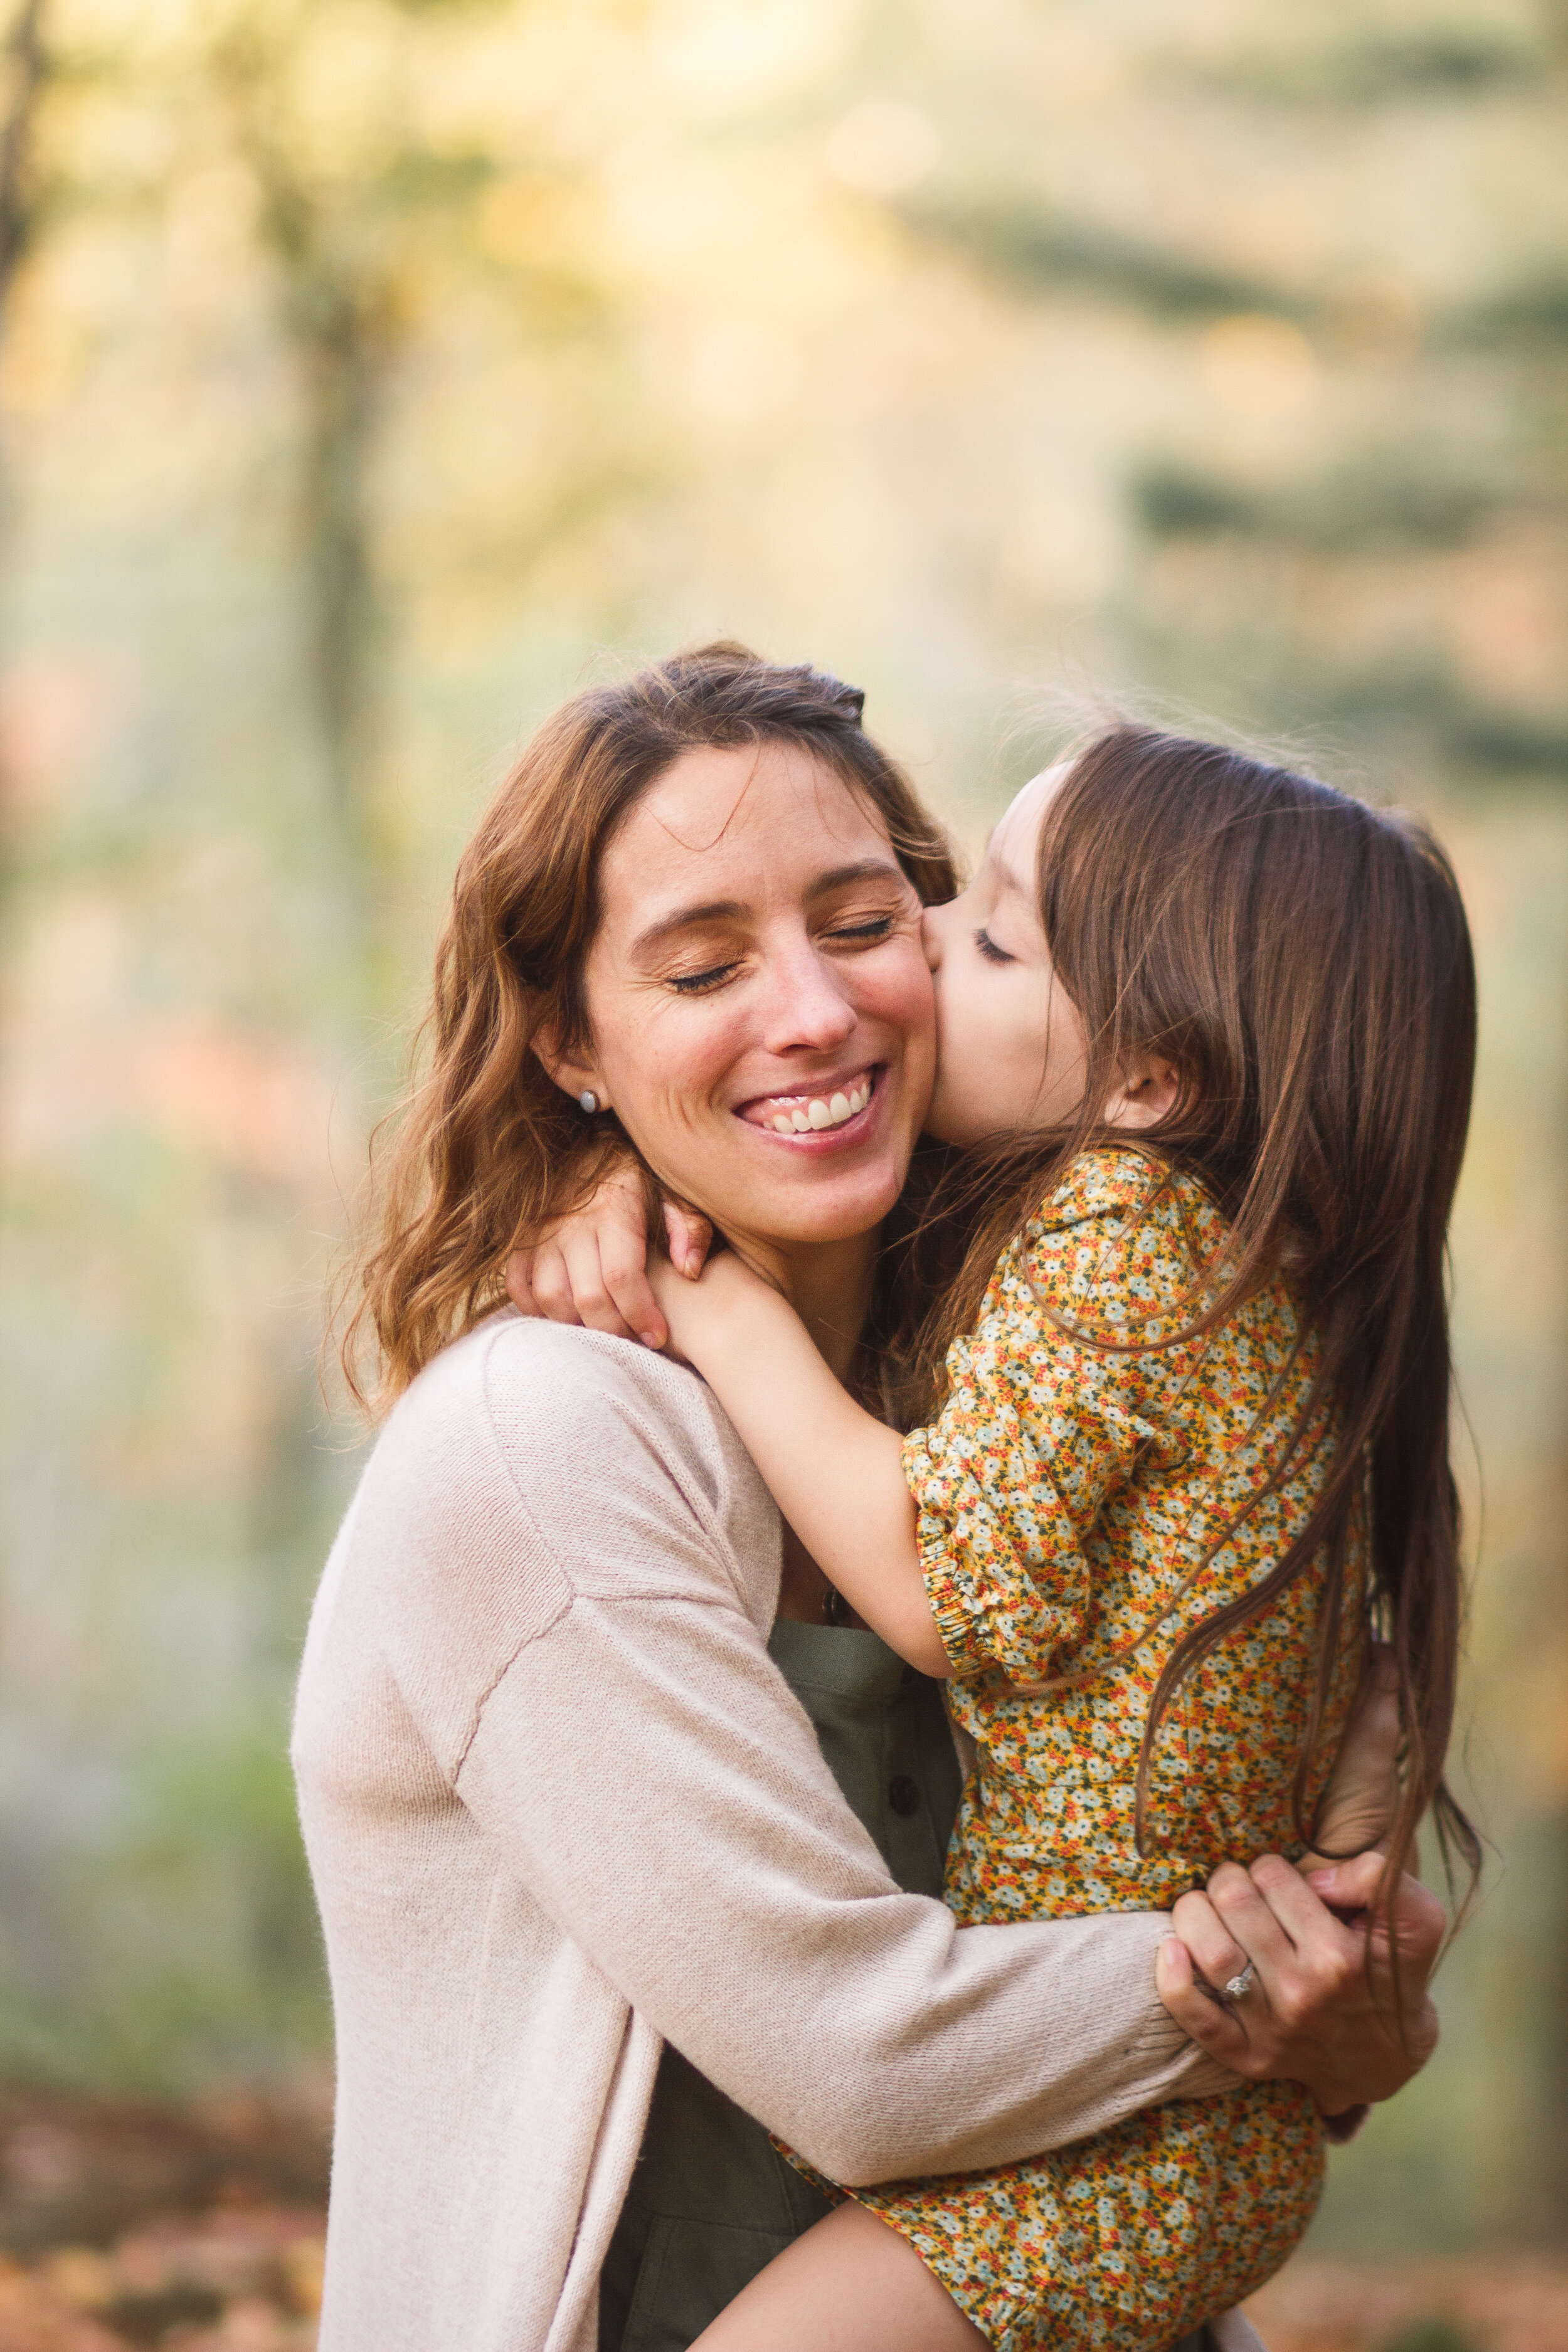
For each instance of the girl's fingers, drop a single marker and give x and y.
(551, 1284)
(691, 1237)
(519, 1282)
(1361, 1801)
(623, 1260)
(1348, 1886)
(592, 1296)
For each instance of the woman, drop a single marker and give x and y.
(561, 1804)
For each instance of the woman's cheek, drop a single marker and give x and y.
(903, 994)
(669, 1074)
(950, 1012)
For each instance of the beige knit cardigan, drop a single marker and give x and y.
(560, 1805)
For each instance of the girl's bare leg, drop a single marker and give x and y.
(851, 2284)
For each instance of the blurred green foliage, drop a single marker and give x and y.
(368, 373)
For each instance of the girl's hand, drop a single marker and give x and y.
(592, 1267)
(698, 1312)
(1313, 2012)
(1363, 1798)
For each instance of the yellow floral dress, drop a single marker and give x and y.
(1067, 1496)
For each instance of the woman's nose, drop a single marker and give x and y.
(807, 1005)
(931, 935)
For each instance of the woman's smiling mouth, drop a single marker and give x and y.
(832, 1104)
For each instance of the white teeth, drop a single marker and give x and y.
(806, 1118)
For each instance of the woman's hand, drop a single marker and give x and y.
(591, 1267)
(1314, 2013)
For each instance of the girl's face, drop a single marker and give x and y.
(760, 1003)
(1010, 1044)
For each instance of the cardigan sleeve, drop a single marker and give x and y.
(641, 1766)
(657, 1788)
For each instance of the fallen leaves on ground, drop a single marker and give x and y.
(251, 2281)
(1502, 2303)
(240, 2281)
(199, 2229)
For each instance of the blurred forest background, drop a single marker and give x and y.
(370, 371)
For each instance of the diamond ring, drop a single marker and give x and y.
(1238, 1988)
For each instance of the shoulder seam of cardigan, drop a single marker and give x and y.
(633, 1416)
(697, 1502)
(496, 1679)
(606, 1600)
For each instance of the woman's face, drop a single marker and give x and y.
(758, 995)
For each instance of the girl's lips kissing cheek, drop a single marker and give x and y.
(834, 1105)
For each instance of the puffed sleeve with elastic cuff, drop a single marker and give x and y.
(1040, 1427)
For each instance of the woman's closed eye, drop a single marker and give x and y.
(866, 934)
(989, 949)
(699, 983)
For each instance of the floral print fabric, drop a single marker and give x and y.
(1076, 1506)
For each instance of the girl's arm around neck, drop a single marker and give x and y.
(835, 1472)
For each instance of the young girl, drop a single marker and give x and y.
(1207, 1029)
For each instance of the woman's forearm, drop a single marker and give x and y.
(766, 1940)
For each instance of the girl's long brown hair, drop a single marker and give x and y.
(487, 1149)
(1304, 962)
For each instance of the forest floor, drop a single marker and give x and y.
(200, 2231)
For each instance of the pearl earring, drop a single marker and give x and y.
(589, 1100)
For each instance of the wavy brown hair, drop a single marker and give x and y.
(1304, 962)
(487, 1149)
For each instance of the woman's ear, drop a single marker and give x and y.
(1150, 1090)
(571, 1075)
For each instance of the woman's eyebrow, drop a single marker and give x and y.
(724, 911)
(686, 919)
(863, 869)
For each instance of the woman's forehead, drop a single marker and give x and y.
(766, 812)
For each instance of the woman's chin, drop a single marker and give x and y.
(825, 1208)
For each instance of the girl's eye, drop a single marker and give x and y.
(699, 983)
(989, 949)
